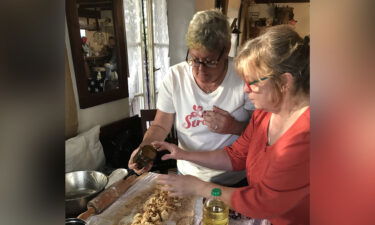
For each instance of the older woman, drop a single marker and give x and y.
(203, 97)
(274, 148)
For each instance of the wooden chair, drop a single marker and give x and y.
(147, 116)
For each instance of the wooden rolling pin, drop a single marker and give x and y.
(107, 197)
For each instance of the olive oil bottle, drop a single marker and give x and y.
(215, 212)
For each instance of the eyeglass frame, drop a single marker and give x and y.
(204, 63)
(256, 81)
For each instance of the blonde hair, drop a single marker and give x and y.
(279, 50)
(209, 30)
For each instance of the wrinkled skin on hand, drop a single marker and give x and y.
(176, 185)
(219, 120)
(174, 151)
(180, 185)
(133, 165)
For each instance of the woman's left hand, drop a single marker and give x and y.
(180, 185)
(219, 120)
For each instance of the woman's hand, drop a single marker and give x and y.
(181, 185)
(132, 165)
(220, 121)
(175, 151)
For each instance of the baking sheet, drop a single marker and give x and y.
(123, 210)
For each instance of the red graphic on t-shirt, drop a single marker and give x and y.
(195, 118)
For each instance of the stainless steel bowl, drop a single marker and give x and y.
(74, 221)
(80, 188)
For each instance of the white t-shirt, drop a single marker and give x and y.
(180, 94)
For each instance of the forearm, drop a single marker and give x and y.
(154, 133)
(217, 159)
(238, 127)
(205, 189)
(159, 129)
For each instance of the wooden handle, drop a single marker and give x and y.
(109, 196)
(89, 212)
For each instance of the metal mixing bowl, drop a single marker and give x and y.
(80, 188)
(74, 221)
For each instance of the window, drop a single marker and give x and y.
(141, 49)
(82, 32)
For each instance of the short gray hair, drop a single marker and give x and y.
(208, 29)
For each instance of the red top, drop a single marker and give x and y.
(278, 175)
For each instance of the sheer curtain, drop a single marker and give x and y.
(133, 29)
(161, 39)
(136, 49)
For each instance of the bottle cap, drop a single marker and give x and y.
(216, 192)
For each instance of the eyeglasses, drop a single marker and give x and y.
(196, 62)
(255, 82)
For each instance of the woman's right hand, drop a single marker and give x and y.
(132, 165)
(174, 151)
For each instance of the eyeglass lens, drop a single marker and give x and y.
(197, 62)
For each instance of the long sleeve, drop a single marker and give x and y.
(239, 150)
(283, 187)
(278, 175)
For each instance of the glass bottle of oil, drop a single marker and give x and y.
(145, 156)
(215, 211)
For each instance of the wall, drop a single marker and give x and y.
(204, 4)
(233, 8)
(301, 14)
(101, 114)
(180, 12)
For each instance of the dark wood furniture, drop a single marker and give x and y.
(131, 123)
(87, 99)
(119, 139)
